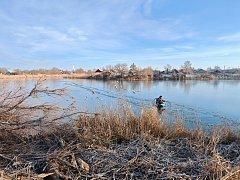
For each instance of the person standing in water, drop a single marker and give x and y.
(160, 104)
(160, 101)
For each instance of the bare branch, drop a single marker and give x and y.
(17, 107)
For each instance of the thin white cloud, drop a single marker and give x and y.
(52, 34)
(187, 47)
(42, 33)
(39, 38)
(5, 17)
(147, 7)
(78, 34)
(166, 29)
(230, 38)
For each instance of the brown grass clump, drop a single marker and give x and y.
(118, 127)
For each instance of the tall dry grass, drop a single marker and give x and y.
(121, 144)
(109, 127)
(121, 127)
(115, 126)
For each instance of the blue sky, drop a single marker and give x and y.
(95, 33)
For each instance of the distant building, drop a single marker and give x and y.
(201, 71)
(230, 71)
(166, 75)
(157, 74)
(11, 72)
(215, 71)
(174, 71)
(98, 70)
(191, 76)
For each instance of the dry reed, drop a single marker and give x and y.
(120, 145)
(31, 76)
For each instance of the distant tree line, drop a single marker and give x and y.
(122, 71)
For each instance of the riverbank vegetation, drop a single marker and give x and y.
(29, 76)
(36, 142)
(133, 72)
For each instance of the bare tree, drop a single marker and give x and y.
(18, 110)
(148, 72)
(168, 68)
(187, 67)
(55, 71)
(122, 69)
(133, 71)
(133, 67)
(3, 70)
(79, 70)
(108, 68)
(209, 69)
(217, 68)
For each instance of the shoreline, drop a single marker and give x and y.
(30, 76)
(92, 77)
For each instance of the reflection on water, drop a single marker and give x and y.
(209, 101)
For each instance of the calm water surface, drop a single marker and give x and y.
(211, 102)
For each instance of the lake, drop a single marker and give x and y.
(211, 102)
